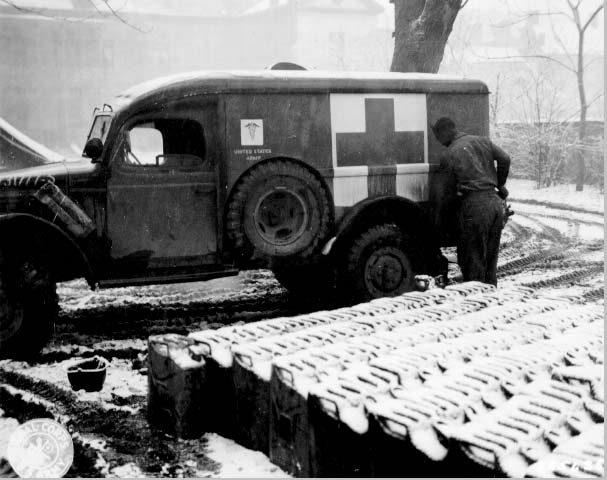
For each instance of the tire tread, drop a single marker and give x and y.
(236, 206)
(38, 291)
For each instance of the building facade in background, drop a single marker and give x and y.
(61, 58)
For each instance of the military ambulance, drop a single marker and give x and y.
(329, 179)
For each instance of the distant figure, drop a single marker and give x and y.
(470, 164)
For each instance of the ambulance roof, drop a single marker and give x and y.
(292, 81)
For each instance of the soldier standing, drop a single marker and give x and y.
(480, 187)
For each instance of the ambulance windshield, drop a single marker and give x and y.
(101, 125)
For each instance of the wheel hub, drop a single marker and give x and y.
(386, 271)
(281, 216)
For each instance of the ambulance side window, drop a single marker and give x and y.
(143, 144)
(166, 143)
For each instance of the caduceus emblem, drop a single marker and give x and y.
(252, 127)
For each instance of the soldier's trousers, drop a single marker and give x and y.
(480, 222)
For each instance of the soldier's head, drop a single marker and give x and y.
(445, 130)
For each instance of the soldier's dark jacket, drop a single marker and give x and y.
(470, 161)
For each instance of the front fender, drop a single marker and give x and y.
(404, 212)
(408, 215)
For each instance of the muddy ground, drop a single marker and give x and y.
(545, 246)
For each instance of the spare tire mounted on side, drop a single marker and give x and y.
(280, 209)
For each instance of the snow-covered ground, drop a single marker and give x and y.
(590, 198)
(238, 462)
(115, 323)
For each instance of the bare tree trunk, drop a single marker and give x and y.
(496, 102)
(581, 28)
(422, 28)
(581, 163)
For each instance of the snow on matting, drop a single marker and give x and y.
(238, 462)
(590, 198)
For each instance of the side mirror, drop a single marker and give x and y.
(93, 149)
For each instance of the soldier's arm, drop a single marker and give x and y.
(503, 164)
(443, 189)
(448, 180)
(444, 163)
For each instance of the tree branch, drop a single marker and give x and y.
(576, 6)
(576, 14)
(120, 18)
(526, 17)
(540, 57)
(37, 11)
(586, 65)
(592, 17)
(42, 13)
(563, 46)
(588, 104)
(598, 95)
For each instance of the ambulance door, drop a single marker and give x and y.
(162, 198)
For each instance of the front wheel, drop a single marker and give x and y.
(377, 264)
(28, 307)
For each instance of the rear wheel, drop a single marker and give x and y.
(28, 306)
(377, 264)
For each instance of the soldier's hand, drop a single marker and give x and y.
(502, 192)
(508, 212)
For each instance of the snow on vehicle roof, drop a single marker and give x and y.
(298, 80)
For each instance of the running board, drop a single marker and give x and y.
(164, 279)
